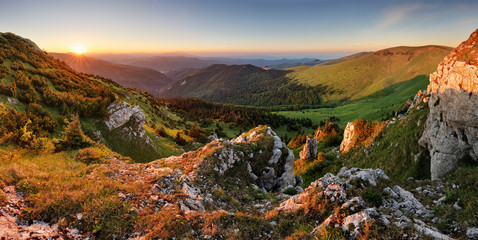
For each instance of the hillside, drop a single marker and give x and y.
(128, 121)
(362, 76)
(38, 92)
(243, 85)
(145, 79)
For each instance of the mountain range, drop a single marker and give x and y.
(146, 79)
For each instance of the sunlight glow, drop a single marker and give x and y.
(79, 49)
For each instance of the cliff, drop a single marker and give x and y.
(451, 130)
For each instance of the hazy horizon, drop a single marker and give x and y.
(272, 29)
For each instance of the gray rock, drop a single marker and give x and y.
(212, 137)
(12, 101)
(268, 178)
(126, 118)
(276, 153)
(472, 233)
(451, 129)
(456, 206)
(368, 175)
(403, 222)
(421, 227)
(405, 201)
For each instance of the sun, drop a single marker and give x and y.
(79, 49)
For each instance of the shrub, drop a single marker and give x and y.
(9, 89)
(88, 156)
(42, 145)
(179, 140)
(373, 196)
(160, 131)
(197, 133)
(290, 191)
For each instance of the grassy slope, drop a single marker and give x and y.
(395, 150)
(373, 107)
(138, 150)
(362, 76)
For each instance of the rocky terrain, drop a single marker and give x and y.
(14, 228)
(451, 131)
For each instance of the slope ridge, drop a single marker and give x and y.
(367, 74)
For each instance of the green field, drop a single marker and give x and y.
(373, 107)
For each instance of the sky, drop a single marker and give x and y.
(276, 28)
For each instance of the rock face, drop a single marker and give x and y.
(349, 134)
(126, 118)
(451, 130)
(310, 149)
(269, 163)
(358, 133)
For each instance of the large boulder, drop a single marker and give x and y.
(126, 118)
(451, 130)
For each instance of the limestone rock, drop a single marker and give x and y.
(359, 133)
(472, 233)
(423, 228)
(269, 162)
(451, 130)
(310, 149)
(126, 118)
(405, 201)
(349, 134)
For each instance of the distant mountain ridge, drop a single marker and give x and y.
(177, 61)
(353, 76)
(243, 85)
(359, 77)
(142, 78)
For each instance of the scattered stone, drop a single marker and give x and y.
(456, 206)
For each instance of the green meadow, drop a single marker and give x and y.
(373, 107)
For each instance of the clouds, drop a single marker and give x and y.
(396, 14)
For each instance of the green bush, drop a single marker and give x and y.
(73, 136)
(160, 131)
(88, 156)
(372, 196)
(290, 191)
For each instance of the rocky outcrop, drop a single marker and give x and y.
(310, 149)
(269, 163)
(451, 130)
(125, 118)
(337, 189)
(349, 135)
(359, 133)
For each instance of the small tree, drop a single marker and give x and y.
(179, 140)
(160, 131)
(73, 136)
